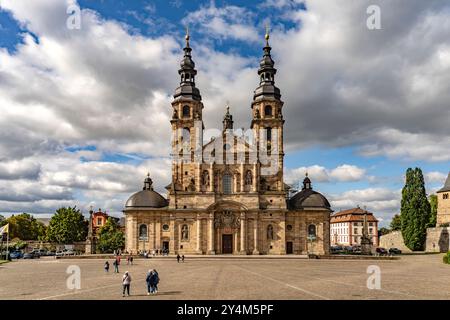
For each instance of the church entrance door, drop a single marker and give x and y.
(227, 243)
(289, 248)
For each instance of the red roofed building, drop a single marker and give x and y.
(346, 227)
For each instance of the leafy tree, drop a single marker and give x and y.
(2, 220)
(383, 231)
(25, 227)
(415, 210)
(67, 225)
(110, 237)
(433, 211)
(396, 223)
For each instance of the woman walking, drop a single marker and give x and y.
(126, 281)
(106, 266)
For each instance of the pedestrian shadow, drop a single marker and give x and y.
(166, 293)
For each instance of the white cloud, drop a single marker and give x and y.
(342, 173)
(223, 22)
(382, 202)
(435, 177)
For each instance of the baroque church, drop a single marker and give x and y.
(227, 195)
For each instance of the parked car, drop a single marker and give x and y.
(59, 253)
(69, 252)
(50, 253)
(36, 254)
(357, 249)
(336, 249)
(30, 255)
(16, 255)
(395, 251)
(381, 251)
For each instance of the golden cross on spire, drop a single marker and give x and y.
(187, 37)
(267, 36)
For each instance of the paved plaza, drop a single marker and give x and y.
(411, 277)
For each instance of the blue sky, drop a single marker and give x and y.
(94, 103)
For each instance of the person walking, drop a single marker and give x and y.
(131, 259)
(178, 258)
(126, 282)
(182, 258)
(148, 281)
(155, 280)
(152, 282)
(116, 266)
(106, 267)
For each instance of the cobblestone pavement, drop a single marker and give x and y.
(411, 277)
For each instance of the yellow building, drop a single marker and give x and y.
(227, 196)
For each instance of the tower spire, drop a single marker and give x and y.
(267, 73)
(187, 74)
(227, 120)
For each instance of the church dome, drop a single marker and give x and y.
(147, 198)
(308, 198)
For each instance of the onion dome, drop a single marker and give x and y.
(308, 199)
(147, 198)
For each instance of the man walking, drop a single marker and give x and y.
(126, 281)
(116, 266)
(182, 258)
(178, 258)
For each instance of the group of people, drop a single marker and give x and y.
(152, 280)
(180, 257)
(152, 277)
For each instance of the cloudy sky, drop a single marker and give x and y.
(84, 113)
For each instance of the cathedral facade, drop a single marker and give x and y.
(227, 195)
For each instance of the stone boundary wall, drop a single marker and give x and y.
(437, 239)
(393, 240)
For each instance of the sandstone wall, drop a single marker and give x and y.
(393, 240)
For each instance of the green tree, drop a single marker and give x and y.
(67, 225)
(415, 210)
(396, 223)
(110, 237)
(2, 220)
(433, 211)
(25, 227)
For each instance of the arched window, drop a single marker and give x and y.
(143, 232)
(186, 111)
(185, 232)
(312, 231)
(227, 183)
(269, 232)
(268, 111)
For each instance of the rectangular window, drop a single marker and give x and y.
(99, 221)
(355, 231)
(445, 196)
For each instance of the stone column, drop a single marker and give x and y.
(158, 234)
(173, 232)
(236, 242)
(243, 234)
(199, 237)
(255, 235)
(255, 178)
(211, 234)
(211, 178)
(242, 178)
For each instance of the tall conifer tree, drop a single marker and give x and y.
(415, 210)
